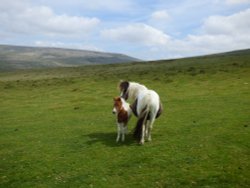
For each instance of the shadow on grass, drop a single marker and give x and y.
(109, 139)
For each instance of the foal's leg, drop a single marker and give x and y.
(123, 131)
(118, 132)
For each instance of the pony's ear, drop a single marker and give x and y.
(124, 85)
(119, 85)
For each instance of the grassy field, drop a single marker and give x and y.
(57, 128)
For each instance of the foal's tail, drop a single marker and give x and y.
(141, 120)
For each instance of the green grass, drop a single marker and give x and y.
(57, 128)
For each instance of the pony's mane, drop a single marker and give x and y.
(138, 85)
(134, 89)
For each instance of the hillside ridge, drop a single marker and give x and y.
(24, 57)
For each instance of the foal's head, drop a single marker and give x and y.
(117, 105)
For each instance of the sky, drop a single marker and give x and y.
(144, 29)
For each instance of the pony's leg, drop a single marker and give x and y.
(118, 132)
(146, 128)
(143, 134)
(150, 127)
(149, 133)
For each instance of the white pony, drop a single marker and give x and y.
(123, 113)
(146, 106)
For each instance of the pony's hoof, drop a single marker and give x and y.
(141, 142)
(149, 140)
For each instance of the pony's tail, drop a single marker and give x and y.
(141, 120)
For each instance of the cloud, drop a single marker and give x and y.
(138, 34)
(144, 29)
(24, 18)
(159, 16)
(237, 1)
(91, 6)
(159, 19)
(234, 25)
(225, 32)
(111, 5)
(218, 34)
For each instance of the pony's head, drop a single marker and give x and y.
(130, 90)
(124, 85)
(117, 105)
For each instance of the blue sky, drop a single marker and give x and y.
(144, 29)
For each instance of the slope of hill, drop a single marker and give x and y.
(58, 130)
(19, 57)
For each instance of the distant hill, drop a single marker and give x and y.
(210, 57)
(20, 57)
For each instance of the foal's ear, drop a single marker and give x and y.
(116, 98)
